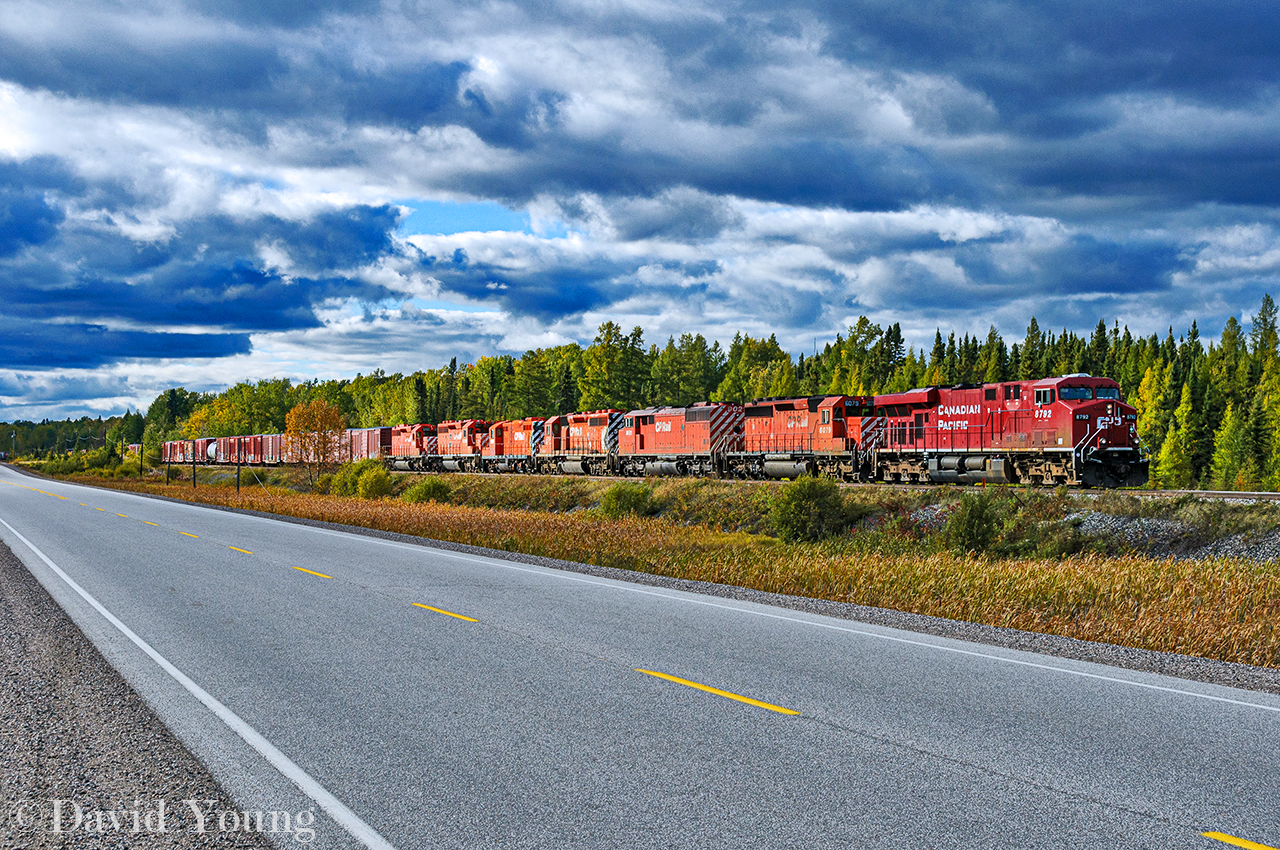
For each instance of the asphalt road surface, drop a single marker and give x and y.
(416, 697)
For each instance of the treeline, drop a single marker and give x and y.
(24, 438)
(1209, 416)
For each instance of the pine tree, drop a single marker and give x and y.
(1173, 465)
(566, 391)
(1229, 450)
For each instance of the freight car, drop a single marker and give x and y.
(1073, 429)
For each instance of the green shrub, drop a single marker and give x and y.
(972, 526)
(324, 483)
(346, 481)
(374, 483)
(431, 489)
(808, 509)
(624, 498)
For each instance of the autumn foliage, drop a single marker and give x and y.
(313, 432)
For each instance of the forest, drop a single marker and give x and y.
(1207, 414)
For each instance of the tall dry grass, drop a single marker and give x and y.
(1222, 609)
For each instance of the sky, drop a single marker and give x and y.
(198, 194)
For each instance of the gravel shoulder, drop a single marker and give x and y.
(71, 729)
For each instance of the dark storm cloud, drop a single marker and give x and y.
(544, 292)
(1044, 76)
(25, 344)
(76, 294)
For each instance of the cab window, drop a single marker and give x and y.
(1109, 392)
(1044, 396)
(1076, 393)
(826, 417)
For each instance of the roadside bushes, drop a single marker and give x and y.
(374, 483)
(973, 524)
(430, 489)
(367, 479)
(626, 499)
(808, 509)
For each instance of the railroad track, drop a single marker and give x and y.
(1228, 495)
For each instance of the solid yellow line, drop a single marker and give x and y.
(189, 535)
(238, 549)
(313, 572)
(447, 613)
(1238, 842)
(718, 692)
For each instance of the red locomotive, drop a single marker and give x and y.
(1073, 429)
(835, 436)
(512, 444)
(459, 443)
(580, 443)
(414, 447)
(694, 440)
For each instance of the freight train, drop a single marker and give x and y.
(1072, 429)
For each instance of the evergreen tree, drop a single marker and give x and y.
(1173, 465)
(566, 390)
(1230, 450)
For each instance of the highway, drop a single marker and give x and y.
(418, 697)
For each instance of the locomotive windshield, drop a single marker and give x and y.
(1075, 393)
(1109, 392)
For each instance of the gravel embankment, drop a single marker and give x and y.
(1163, 538)
(72, 729)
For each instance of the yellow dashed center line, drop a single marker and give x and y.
(104, 510)
(1236, 842)
(718, 692)
(238, 549)
(312, 572)
(126, 516)
(189, 535)
(151, 523)
(447, 613)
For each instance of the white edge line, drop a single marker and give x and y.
(626, 587)
(348, 819)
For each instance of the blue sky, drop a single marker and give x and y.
(199, 194)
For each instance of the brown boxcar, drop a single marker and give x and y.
(365, 444)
